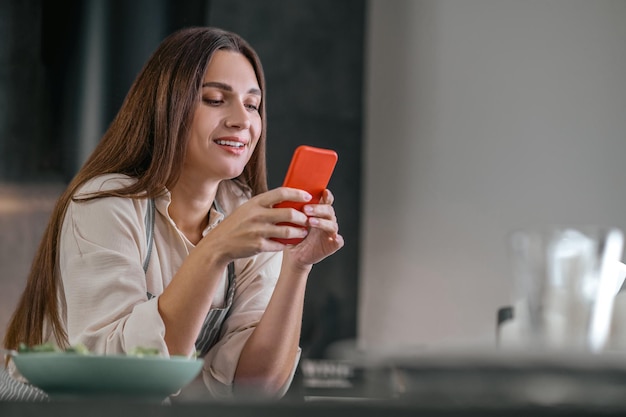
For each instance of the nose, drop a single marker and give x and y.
(238, 116)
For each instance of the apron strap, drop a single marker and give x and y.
(212, 326)
(149, 221)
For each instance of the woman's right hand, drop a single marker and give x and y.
(249, 229)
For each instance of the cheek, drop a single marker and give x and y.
(257, 125)
(204, 120)
(202, 125)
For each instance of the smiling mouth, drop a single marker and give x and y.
(230, 143)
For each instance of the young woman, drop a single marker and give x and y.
(164, 237)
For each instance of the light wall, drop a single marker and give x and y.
(482, 116)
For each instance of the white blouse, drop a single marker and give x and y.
(103, 296)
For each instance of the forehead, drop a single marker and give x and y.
(232, 68)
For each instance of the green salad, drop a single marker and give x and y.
(51, 347)
(81, 349)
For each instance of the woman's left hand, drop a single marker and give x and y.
(323, 239)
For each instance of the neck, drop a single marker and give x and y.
(190, 206)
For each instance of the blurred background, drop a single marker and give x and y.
(455, 121)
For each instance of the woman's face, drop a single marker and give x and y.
(226, 123)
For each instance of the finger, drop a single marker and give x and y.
(327, 197)
(328, 226)
(320, 210)
(280, 194)
(338, 239)
(289, 231)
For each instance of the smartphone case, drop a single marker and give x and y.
(310, 169)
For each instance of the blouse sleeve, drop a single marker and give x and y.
(255, 284)
(102, 247)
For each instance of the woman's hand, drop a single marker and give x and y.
(249, 229)
(323, 239)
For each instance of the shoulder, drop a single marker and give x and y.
(105, 182)
(106, 209)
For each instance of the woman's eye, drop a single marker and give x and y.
(212, 102)
(252, 107)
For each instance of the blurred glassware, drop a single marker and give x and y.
(565, 279)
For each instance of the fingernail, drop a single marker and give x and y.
(308, 209)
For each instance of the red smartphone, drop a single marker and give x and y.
(310, 170)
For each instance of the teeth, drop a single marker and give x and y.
(229, 143)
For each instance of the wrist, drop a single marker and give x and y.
(211, 257)
(296, 268)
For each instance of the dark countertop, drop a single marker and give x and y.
(437, 385)
(279, 409)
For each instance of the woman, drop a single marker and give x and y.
(189, 140)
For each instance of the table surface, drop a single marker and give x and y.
(281, 408)
(439, 385)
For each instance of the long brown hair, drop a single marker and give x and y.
(146, 140)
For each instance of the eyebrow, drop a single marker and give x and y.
(226, 87)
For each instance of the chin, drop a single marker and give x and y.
(234, 175)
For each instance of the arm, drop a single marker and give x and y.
(276, 337)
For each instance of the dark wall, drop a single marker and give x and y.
(24, 150)
(312, 51)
